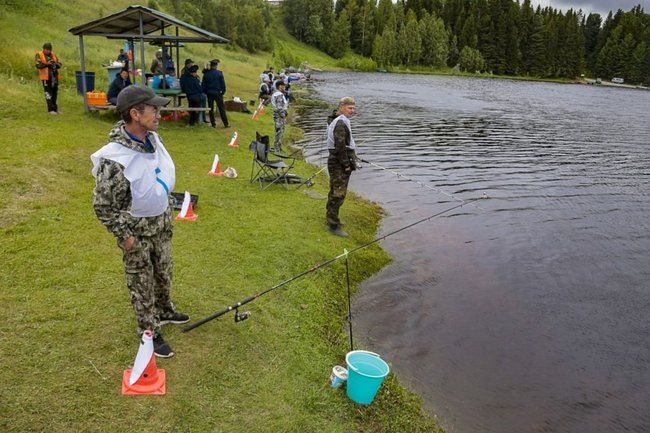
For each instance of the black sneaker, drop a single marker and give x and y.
(338, 231)
(161, 349)
(175, 318)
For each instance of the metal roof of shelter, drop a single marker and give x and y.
(142, 24)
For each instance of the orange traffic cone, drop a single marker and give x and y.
(144, 377)
(216, 167)
(233, 140)
(187, 212)
(259, 111)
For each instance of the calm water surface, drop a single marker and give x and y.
(531, 311)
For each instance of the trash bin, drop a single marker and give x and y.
(113, 71)
(90, 82)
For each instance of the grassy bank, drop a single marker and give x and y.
(68, 331)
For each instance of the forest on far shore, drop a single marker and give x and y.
(505, 37)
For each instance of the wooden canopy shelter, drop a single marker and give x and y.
(141, 24)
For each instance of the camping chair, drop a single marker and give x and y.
(270, 171)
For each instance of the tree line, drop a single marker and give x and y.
(245, 23)
(499, 36)
(504, 37)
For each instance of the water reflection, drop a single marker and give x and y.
(530, 313)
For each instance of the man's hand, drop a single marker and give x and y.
(128, 243)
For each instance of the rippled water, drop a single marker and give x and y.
(531, 311)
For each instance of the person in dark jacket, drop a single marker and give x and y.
(191, 86)
(120, 82)
(214, 86)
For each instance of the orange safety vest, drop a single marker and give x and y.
(44, 73)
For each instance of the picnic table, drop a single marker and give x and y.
(175, 94)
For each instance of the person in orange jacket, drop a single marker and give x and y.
(48, 66)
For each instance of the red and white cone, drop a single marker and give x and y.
(216, 167)
(233, 141)
(144, 378)
(187, 212)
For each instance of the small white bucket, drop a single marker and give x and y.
(338, 377)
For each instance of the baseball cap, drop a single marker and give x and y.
(188, 61)
(193, 68)
(134, 95)
(214, 61)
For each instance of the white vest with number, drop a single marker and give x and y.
(152, 175)
(330, 132)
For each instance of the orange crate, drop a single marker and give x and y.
(96, 98)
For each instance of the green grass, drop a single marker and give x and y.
(68, 330)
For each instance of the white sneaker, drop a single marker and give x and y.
(53, 112)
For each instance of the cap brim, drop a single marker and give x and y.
(158, 101)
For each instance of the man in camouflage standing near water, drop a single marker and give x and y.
(341, 161)
(280, 110)
(134, 175)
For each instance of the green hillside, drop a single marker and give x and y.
(68, 331)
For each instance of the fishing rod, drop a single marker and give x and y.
(245, 315)
(308, 181)
(400, 175)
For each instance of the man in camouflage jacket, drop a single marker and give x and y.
(134, 175)
(341, 161)
(280, 109)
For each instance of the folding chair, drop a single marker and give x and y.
(269, 171)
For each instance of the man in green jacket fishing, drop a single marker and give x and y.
(341, 161)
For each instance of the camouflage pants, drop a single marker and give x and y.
(148, 268)
(279, 121)
(339, 179)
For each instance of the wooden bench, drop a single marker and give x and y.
(184, 109)
(105, 107)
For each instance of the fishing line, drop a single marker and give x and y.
(437, 190)
(245, 315)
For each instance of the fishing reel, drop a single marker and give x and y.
(240, 317)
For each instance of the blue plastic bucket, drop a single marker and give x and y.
(366, 372)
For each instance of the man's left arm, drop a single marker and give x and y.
(223, 83)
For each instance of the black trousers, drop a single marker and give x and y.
(218, 98)
(51, 92)
(194, 101)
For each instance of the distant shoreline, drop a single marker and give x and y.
(593, 82)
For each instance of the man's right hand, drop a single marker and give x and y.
(128, 243)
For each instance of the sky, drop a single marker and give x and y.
(595, 6)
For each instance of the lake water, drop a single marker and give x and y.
(527, 311)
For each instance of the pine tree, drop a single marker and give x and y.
(591, 33)
(339, 38)
(435, 45)
(410, 40)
